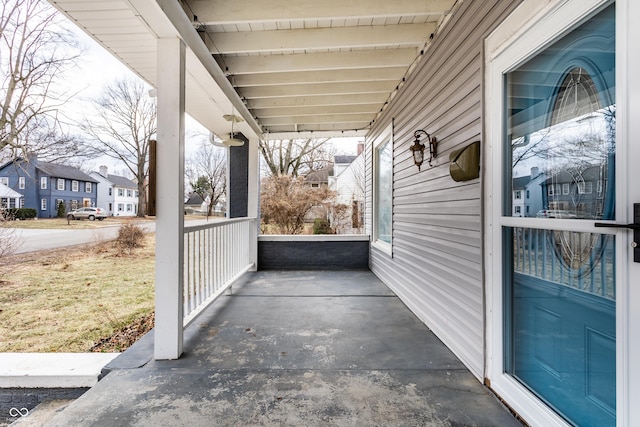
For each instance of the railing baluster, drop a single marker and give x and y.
(215, 255)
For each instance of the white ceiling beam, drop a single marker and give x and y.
(354, 75)
(305, 40)
(319, 61)
(301, 101)
(335, 118)
(316, 89)
(228, 12)
(317, 127)
(310, 111)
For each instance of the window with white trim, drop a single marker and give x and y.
(43, 204)
(383, 189)
(87, 187)
(74, 186)
(21, 183)
(4, 180)
(60, 184)
(120, 192)
(43, 183)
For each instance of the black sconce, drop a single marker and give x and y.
(417, 149)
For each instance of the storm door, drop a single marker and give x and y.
(559, 270)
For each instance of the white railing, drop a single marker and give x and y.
(215, 256)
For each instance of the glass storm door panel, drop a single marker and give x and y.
(559, 273)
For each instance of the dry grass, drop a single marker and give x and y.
(67, 300)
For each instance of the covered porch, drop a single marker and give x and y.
(295, 348)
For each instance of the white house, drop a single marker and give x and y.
(116, 194)
(10, 198)
(349, 183)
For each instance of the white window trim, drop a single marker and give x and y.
(4, 180)
(58, 184)
(75, 186)
(505, 49)
(22, 183)
(87, 187)
(385, 136)
(43, 204)
(43, 183)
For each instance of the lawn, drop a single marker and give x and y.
(63, 224)
(67, 300)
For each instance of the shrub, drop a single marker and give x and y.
(321, 226)
(130, 236)
(285, 200)
(21, 213)
(62, 210)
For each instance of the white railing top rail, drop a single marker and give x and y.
(215, 223)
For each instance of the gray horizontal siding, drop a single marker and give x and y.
(436, 266)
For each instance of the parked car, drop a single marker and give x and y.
(88, 213)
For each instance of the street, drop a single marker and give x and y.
(37, 240)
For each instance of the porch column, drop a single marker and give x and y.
(253, 202)
(238, 178)
(168, 335)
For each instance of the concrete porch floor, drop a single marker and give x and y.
(317, 348)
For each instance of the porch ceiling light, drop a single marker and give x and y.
(232, 142)
(417, 149)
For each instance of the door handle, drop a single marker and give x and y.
(635, 227)
(629, 226)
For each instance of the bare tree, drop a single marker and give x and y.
(206, 172)
(123, 125)
(35, 51)
(296, 157)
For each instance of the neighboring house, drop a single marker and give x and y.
(533, 194)
(580, 192)
(195, 204)
(349, 184)
(9, 198)
(518, 195)
(44, 185)
(319, 177)
(116, 194)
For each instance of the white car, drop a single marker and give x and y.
(87, 213)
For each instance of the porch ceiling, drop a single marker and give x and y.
(290, 67)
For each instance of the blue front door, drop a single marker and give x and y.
(559, 274)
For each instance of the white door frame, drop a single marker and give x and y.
(531, 27)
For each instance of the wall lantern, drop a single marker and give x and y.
(417, 149)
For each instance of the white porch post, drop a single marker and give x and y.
(168, 333)
(253, 202)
